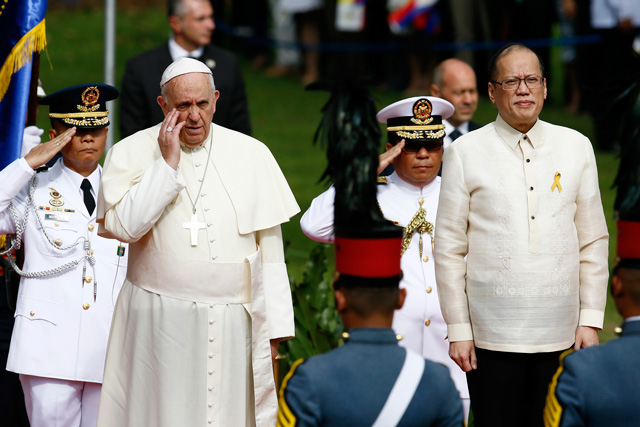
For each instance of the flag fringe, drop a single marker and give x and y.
(34, 41)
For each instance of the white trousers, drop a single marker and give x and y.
(59, 403)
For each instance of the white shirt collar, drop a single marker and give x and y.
(76, 179)
(178, 51)
(412, 189)
(448, 128)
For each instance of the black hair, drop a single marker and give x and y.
(366, 301)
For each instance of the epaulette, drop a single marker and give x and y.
(382, 180)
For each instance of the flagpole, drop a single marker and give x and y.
(32, 109)
(109, 59)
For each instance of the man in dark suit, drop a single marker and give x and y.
(599, 386)
(455, 81)
(192, 25)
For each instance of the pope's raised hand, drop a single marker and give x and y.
(42, 153)
(386, 158)
(169, 139)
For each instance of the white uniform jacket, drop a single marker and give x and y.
(60, 331)
(420, 320)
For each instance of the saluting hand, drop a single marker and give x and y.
(169, 139)
(386, 158)
(42, 153)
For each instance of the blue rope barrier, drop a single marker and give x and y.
(247, 34)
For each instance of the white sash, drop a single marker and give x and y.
(402, 391)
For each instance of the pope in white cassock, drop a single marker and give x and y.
(207, 295)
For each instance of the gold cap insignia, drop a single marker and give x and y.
(422, 112)
(89, 98)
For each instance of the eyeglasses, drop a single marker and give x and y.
(415, 147)
(532, 82)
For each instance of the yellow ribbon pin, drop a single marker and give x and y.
(556, 183)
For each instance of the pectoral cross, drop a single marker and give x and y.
(194, 226)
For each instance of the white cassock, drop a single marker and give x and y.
(189, 344)
(420, 320)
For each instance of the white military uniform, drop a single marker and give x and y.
(60, 331)
(420, 320)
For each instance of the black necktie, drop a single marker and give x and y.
(455, 135)
(89, 202)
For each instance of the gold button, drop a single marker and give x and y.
(33, 313)
(425, 258)
(57, 224)
(427, 323)
(399, 337)
(86, 306)
(58, 242)
(421, 201)
(429, 289)
(87, 279)
(90, 227)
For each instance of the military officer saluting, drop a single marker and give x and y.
(408, 198)
(370, 380)
(71, 277)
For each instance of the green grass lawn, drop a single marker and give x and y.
(284, 115)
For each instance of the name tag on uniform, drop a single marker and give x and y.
(56, 217)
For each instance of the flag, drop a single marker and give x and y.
(420, 14)
(22, 31)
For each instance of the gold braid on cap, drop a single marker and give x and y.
(78, 115)
(431, 127)
(420, 134)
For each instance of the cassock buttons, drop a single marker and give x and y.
(212, 339)
(90, 227)
(429, 289)
(427, 323)
(209, 420)
(211, 321)
(210, 355)
(210, 371)
(86, 306)
(210, 404)
(210, 388)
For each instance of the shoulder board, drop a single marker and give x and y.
(382, 180)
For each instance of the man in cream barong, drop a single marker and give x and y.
(207, 298)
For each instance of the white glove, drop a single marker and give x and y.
(30, 138)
